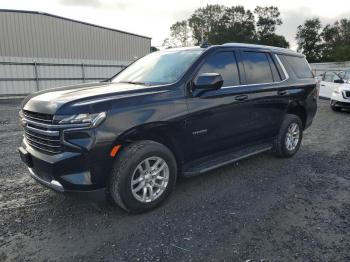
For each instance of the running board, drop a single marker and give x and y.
(209, 163)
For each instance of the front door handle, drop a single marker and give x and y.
(282, 92)
(241, 97)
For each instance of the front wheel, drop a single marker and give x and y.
(142, 177)
(288, 141)
(335, 108)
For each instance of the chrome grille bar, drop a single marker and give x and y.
(51, 126)
(41, 143)
(43, 132)
(40, 137)
(42, 149)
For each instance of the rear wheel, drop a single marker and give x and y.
(142, 177)
(288, 141)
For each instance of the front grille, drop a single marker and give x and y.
(44, 143)
(43, 134)
(347, 94)
(40, 133)
(45, 118)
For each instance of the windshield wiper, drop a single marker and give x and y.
(133, 82)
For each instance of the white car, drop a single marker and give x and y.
(341, 97)
(329, 81)
(336, 87)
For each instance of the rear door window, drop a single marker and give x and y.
(276, 75)
(299, 66)
(223, 63)
(257, 67)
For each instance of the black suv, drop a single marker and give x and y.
(178, 112)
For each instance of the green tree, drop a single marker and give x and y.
(309, 39)
(336, 41)
(344, 30)
(205, 21)
(236, 25)
(180, 32)
(169, 43)
(330, 37)
(218, 24)
(268, 18)
(273, 40)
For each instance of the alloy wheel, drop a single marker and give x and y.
(150, 179)
(292, 136)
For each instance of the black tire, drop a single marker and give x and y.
(280, 148)
(118, 189)
(336, 109)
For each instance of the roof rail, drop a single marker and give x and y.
(281, 49)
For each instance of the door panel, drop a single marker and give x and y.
(238, 115)
(327, 84)
(211, 111)
(217, 119)
(269, 94)
(326, 89)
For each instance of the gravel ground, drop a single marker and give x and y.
(264, 209)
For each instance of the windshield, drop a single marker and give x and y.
(346, 75)
(163, 67)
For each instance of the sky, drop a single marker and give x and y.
(154, 17)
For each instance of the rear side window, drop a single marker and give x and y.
(223, 63)
(257, 68)
(299, 66)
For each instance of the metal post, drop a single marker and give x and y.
(83, 72)
(36, 75)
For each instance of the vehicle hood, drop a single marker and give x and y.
(82, 97)
(345, 86)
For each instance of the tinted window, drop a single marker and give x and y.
(275, 73)
(299, 66)
(257, 68)
(223, 63)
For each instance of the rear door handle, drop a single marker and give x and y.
(282, 92)
(241, 97)
(323, 85)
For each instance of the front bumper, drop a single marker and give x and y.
(67, 171)
(340, 99)
(53, 184)
(340, 104)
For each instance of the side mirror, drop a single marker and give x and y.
(339, 81)
(208, 81)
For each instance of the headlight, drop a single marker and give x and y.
(92, 119)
